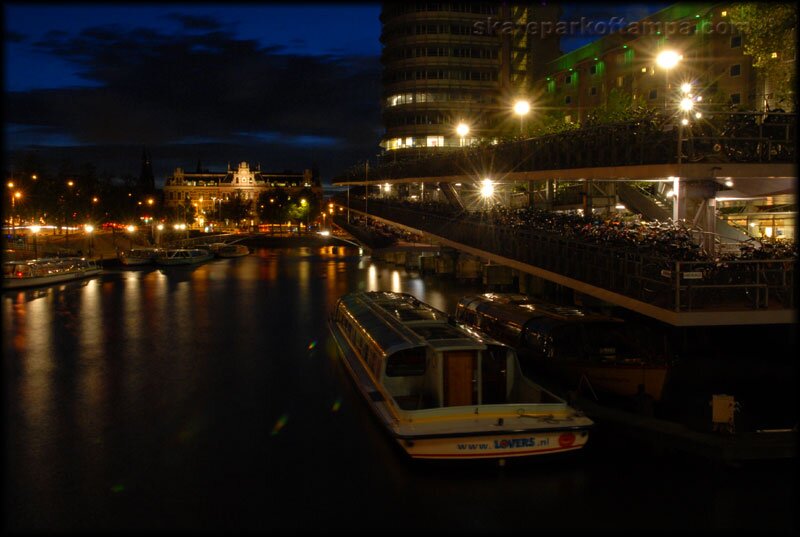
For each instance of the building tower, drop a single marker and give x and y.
(448, 63)
(147, 181)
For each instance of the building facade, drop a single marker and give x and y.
(451, 63)
(206, 189)
(712, 61)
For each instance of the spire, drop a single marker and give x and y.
(147, 183)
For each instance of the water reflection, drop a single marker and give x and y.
(169, 383)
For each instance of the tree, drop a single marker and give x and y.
(235, 208)
(620, 107)
(770, 38)
(273, 206)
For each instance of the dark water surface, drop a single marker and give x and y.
(210, 397)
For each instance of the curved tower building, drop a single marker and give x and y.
(452, 70)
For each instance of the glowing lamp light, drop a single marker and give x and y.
(36, 229)
(522, 107)
(88, 228)
(686, 87)
(728, 183)
(160, 227)
(619, 207)
(670, 193)
(487, 188)
(698, 115)
(131, 228)
(462, 129)
(686, 104)
(684, 121)
(668, 59)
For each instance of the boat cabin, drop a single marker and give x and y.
(422, 358)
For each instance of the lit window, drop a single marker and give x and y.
(435, 141)
(774, 55)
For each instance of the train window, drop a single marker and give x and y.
(406, 363)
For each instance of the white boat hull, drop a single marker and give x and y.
(172, 260)
(471, 432)
(503, 445)
(27, 277)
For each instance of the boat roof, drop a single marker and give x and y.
(520, 309)
(398, 321)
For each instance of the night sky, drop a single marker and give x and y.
(285, 86)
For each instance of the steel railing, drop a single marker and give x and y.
(660, 281)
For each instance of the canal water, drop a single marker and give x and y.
(210, 398)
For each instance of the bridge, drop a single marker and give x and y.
(600, 167)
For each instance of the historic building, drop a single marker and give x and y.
(206, 189)
(447, 64)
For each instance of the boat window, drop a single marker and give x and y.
(405, 363)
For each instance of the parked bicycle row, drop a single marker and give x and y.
(717, 137)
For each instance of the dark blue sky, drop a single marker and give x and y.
(281, 85)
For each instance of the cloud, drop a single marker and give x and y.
(157, 88)
(194, 22)
(14, 37)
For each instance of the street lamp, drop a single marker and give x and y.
(14, 197)
(521, 108)
(70, 184)
(34, 231)
(130, 229)
(89, 228)
(667, 59)
(462, 130)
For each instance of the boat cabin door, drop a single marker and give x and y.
(460, 378)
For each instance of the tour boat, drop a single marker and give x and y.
(573, 344)
(229, 250)
(139, 256)
(46, 271)
(183, 256)
(443, 390)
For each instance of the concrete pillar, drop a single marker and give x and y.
(587, 197)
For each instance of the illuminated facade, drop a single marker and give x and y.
(713, 61)
(205, 189)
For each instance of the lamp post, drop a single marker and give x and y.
(35, 230)
(521, 108)
(14, 197)
(666, 60)
(462, 130)
(89, 228)
(70, 184)
(131, 229)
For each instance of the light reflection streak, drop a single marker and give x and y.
(372, 278)
(396, 287)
